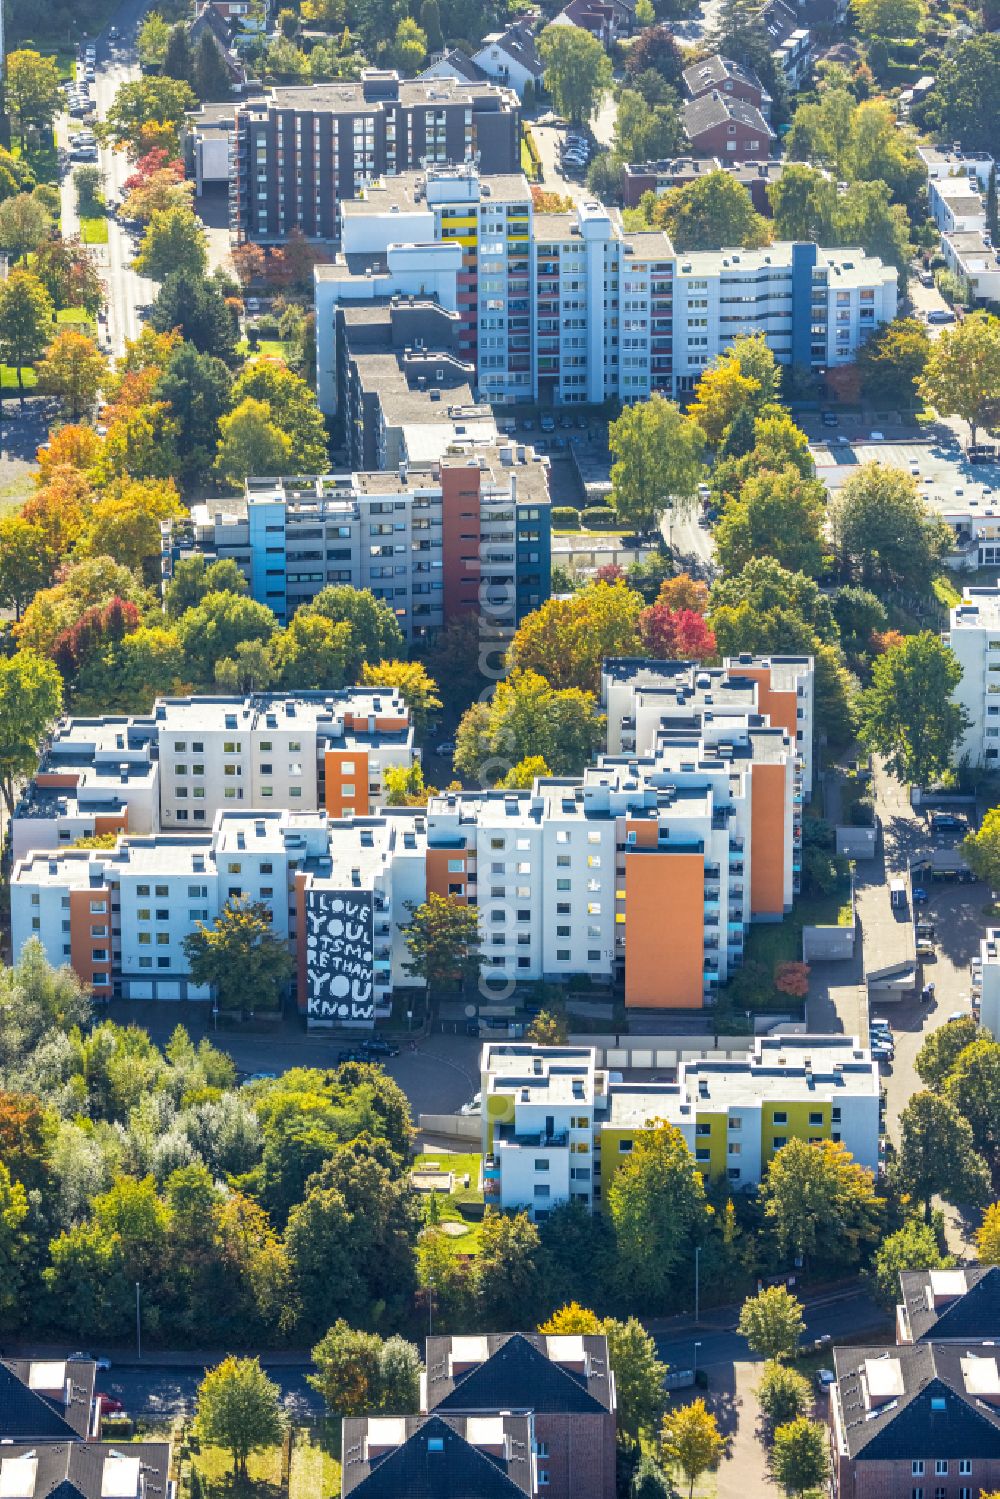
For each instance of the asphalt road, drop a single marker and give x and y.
(842, 1318)
(158, 1390)
(126, 290)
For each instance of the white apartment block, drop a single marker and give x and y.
(974, 256)
(989, 957)
(974, 636)
(193, 757)
(942, 162)
(572, 308)
(556, 1126)
(647, 869)
(957, 205)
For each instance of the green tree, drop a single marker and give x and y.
(524, 716)
(820, 1202)
(194, 577)
(784, 1394)
(508, 1270)
(942, 1048)
(251, 444)
(799, 1456)
(892, 360)
(639, 1375)
(239, 956)
(25, 562)
(644, 132)
(30, 699)
(311, 654)
(548, 1029)
(174, 242)
(691, 1441)
(33, 87)
(442, 939)
(657, 1205)
(859, 614)
(658, 453)
(293, 409)
(888, 19)
(359, 1373)
(772, 1323)
(25, 223)
(154, 33)
(988, 1236)
(649, 1480)
(144, 102)
(68, 271)
(962, 374)
(215, 627)
(26, 314)
(981, 851)
(522, 776)
(577, 70)
(712, 211)
(778, 515)
(937, 1154)
(211, 76)
(239, 1409)
(197, 388)
(409, 47)
(973, 1086)
(882, 530)
(410, 678)
(907, 714)
(858, 142)
(912, 1247)
(375, 632)
(197, 309)
(178, 61)
(567, 640)
(430, 24)
(73, 369)
(14, 1243)
(965, 101)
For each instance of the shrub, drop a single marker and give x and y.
(565, 516)
(600, 518)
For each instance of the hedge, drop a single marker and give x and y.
(600, 518)
(565, 517)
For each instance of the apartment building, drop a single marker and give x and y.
(679, 171)
(433, 540)
(915, 1421)
(569, 307)
(641, 695)
(556, 1126)
(192, 757)
(718, 74)
(336, 891)
(973, 256)
(974, 636)
(989, 957)
(565, 1383)
(949, 1306)
(482, 1456)
(295, 154)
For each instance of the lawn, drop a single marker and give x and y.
(781, 941)
(74, 315)
(314, 1472)
(94, 231)
(450, 1204)
(276, 348)
(14, 494)
(42, 158)
(945, 592)
(8, 378)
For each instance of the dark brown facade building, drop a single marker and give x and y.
(728, 128)
(297, 152)
(566, 1384)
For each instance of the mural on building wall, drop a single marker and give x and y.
(340, 936)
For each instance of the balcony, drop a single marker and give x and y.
(542, 1140)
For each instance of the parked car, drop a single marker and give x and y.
(548, 424)
(830, 419)
(474, 1106)
(920, 895)
(378, 1046)
(925, 278)
(925, 948)
(351, 1054)
(825, 1378)
(941, 315)
(947, 822)
(259, 1077)
(88, 1358)
(108, 1404)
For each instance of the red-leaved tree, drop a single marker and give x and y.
(792, 978)
(97, 627)
(675, 634)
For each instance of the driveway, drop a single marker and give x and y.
(547, 138)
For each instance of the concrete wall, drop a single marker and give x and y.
(664, 1053)
(827, 944)
(452, 1126)
(856, 843)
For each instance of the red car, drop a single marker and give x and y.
(109, 1405)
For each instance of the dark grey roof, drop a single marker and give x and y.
(974, 1315)
(779, 21)
(710, 110)
(518, 42)
(460, 64)
(28, 1415)
(932, 1416)
(712, 72)
(518, 1374)
(75, 1470)
(435, 1461)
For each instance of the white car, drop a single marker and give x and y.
(474, 1106)
(446, 747)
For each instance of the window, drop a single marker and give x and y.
(624, 1147)
(965, 1467)
(941, 1467)
(98, 907)
(815, 1119)
(542, 1449)
(145, 939)
(142, 889)
(780, 1116)
(542, 1189)
(917, 1493)
(941, 1492)
(735, 1148)
(161, 890)
(541, 1163)
(735, 1121)
(917, 1467)
(543, 1478)
(780, 1141)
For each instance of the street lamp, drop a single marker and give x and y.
(697, 1283)
(430, 1307)
(696, 1347)
(138, 1324)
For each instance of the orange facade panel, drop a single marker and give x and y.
(460, 525)
(767, 841)
(442, 879)
(111, 822)
(646, 830)
(57, 778)
(780, 707)
(346, 776)
(90, 933)
(664, 931)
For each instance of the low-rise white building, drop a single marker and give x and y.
(557, 1126)
(989, 957)
(957, 206)
(974, 256)
(974, 637)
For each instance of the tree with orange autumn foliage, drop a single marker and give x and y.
(59, 509)
(72, 447)
(684, 592)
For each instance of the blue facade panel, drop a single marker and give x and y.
(803, 264)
